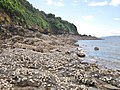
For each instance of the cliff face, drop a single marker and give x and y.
(21, 12)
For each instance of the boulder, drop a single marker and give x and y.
(96, 48)
(79, 54)
(76, 44)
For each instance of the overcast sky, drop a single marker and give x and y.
(92, 17)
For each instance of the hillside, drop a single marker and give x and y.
(21, 12)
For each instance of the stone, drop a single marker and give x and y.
(76, 44)
(96, 48)
(81, 54)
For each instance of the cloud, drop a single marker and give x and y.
(76, 1)
(114, 3)
(55, 2)
(116, 19)
(88, 18)
(90, 29)
(58, 4)
(50, 2)
(105, 3)
(86, 1)
(115, 32)
(93, 4)
(95, 30)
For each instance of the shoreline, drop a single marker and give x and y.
(47, 62)
(107, 56)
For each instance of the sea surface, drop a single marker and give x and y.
(108, 54)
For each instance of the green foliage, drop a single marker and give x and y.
(22, 12)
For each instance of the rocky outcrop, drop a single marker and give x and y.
(96, 48)
(80, 54)
(48, 62)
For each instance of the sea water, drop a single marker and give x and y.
(108, 54)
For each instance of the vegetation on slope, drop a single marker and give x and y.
(23, 13)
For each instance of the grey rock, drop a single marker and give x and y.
(96, 48)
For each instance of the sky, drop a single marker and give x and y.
(92, 17)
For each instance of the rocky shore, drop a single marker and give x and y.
(30, 60)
